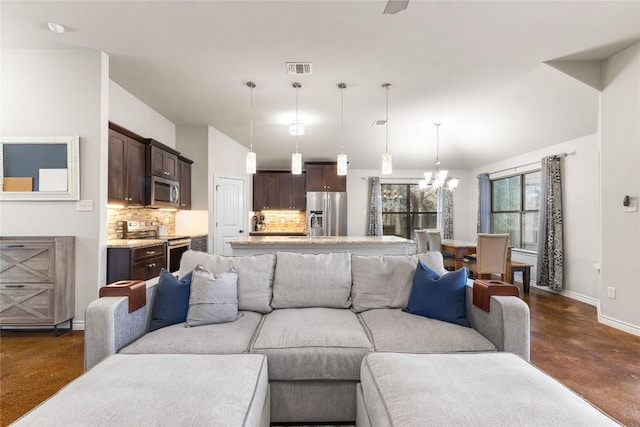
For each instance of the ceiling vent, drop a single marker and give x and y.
(298, 67)
(379, 123)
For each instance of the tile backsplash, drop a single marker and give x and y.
(284, 221)
(116, 216)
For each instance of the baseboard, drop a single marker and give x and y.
(570, 294)
(618, 324)
(78, 325)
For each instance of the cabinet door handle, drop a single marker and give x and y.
(15, 286)
(151, 252)
(13, 246)
(151, 265)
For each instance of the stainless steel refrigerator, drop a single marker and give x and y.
(327, 213)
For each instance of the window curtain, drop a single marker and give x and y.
(484, 203)
(550, 248)
(445, 212)
(374, 221)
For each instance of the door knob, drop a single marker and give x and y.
(240, 231)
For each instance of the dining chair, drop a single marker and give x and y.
(434, 239)
(422, 244)
(490, 257)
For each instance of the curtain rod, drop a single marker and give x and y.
(515, 168)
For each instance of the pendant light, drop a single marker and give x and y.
(387, 168)
(342, 158)
(251, 163)
(296, 158)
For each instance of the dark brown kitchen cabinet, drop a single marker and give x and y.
(266, 191)
(278, 191)
(162, 161)
(126, 169)
(296, 197)
(323, 176)
(199, 243)
(184, 177)
(135, 263)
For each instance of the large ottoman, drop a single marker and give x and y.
(468, 389)
(162, 390)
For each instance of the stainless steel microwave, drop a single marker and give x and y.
(162, 192)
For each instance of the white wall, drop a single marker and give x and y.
(358, 198)
(62, 92)
(620, 168)
(133, 114)
(580, 201)
(226, 159)
(193, 143)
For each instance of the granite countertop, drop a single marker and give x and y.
(133, 243)
(278, 233)
(321, 240)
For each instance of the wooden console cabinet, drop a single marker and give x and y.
(37, 280)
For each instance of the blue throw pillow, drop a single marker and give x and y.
(171, 302)
(439, 297)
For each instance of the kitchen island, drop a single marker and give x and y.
(360, 245)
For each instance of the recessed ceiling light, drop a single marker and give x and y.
(56, 28)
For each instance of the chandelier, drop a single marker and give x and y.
(439, 176)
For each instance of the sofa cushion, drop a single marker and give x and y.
(214, 298)
(312, 343)
(255, 276)
(221, 338)
(397, 331)
(490, 389)
(312, 280)
(439, 297)
(171, 301)
(385, 281)
(161, 390)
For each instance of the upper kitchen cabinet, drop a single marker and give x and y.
(323, 176)
(184, 175)
(278, 191)
(126, 168)
(162, 161)
(292, 193)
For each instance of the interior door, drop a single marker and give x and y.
(229, 213)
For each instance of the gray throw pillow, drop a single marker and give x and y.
(213, 299)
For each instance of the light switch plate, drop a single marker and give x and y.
(84, 205)
(633, 205)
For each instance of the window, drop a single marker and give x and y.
(515, 201)
(406, 207)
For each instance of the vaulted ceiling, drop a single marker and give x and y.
(477, 67)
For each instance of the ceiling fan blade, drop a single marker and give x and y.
(395, 6)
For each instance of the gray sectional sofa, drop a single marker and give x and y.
(315, 317)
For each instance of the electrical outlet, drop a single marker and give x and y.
(611, 292)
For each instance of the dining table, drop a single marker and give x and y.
(459, 248)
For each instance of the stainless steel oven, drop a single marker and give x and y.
(175, 248)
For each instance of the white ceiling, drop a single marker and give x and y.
(477, 67)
